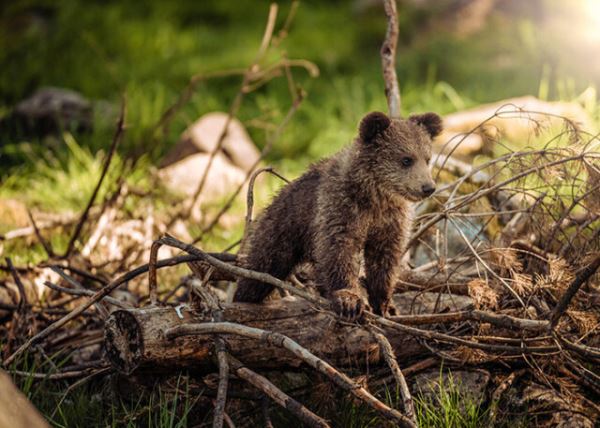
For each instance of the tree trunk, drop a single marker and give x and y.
(135, 338)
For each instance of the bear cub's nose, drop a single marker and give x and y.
(427, 189)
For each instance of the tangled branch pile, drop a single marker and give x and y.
(504, 280)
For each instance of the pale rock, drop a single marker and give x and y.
(185, 175)
(13, 213)
(203, 135)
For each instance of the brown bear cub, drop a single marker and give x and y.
(357, 203)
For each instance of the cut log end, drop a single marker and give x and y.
(124, 343)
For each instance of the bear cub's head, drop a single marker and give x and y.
(399, 151)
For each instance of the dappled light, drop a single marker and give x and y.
(330, 214)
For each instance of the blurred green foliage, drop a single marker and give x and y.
(149, 50)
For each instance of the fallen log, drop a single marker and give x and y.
(135, 338)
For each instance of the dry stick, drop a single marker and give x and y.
(223, 362)
(410, 370)
(47, 247)
(388, 59)
(566, 298)
(583, 350)
(241, 272)
(77, 271)
(73, 292)
(277, 339)
(500, 320)
(23, 300)
(235, 105)
(568, 211)
(59, 376)
(264, 405)
(220, 347)
(442, 337)
(250, 194)
(390, 358)
(278, 396)
(228, 420)
(111, 151)
(78, 287)
(187, 93)
(29, 230)
(152, 287)
(506, 383)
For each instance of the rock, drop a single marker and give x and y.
(13, 214)
(203, 135)
(459, 143)
(49, 111)
(185, 175)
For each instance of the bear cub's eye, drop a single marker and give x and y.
(406, 161)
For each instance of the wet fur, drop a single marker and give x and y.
(357, 202)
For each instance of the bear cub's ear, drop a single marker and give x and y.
(430, 121)
(372, 124)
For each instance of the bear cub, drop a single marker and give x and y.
(357, 203)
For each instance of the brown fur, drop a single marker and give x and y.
(358, 201)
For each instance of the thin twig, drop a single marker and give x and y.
(59, 376)
(250, 194)
(111, 151)
(390, 359)
(566, 298)
(78, 287)
(89, 293)
(23, 303)
(152, 286)
(278, 396)
(45, 244)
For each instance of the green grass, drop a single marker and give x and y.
(66, 182)
(448, 406)
(95, 404)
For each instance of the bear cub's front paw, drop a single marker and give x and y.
(349, 304)
(385, 308)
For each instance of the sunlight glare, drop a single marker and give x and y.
(592, 8)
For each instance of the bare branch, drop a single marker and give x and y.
(111, 151)
(388, 59)
(277, 395)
